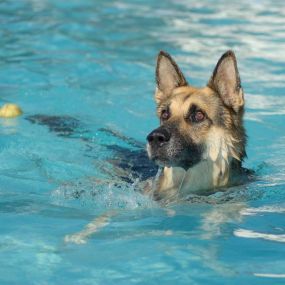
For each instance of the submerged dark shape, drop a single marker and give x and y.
(130, 161)
(135, 163)
(63, 126)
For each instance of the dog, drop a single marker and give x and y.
(200, 143)
(201, 140)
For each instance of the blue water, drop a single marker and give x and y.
(93, 61)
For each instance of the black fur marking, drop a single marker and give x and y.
(177, 151)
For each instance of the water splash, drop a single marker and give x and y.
(102, 194)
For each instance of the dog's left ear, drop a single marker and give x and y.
(226, 81)
(168, 76)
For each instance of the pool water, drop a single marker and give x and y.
(83, 73)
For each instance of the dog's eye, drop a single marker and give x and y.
(165, 115)
(198, 116)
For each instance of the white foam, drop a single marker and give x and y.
(269, 275)
(251, 234)
(265, 209)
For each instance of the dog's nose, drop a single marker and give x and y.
(158, 136)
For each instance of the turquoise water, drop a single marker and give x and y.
(91, 64)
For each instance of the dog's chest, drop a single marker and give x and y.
(176, 182)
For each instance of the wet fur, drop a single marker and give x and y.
(218, 145)
(214, 148)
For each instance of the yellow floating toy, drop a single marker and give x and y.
(10, 111)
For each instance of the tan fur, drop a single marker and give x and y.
(224, 138)
(222, 135)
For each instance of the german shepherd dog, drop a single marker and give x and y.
(200, 142)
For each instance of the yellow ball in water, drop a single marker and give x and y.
(10, 111)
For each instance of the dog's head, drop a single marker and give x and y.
(197, 123)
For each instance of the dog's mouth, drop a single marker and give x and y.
(157, 158)
(164, 157)
(162, 162)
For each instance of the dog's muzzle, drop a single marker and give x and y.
(166, 147)
(158, 142)
(158, 137)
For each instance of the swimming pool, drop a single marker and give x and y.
(89, 65)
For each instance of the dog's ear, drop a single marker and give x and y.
(168, 76)
(226, 81)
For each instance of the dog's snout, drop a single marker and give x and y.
(158, 136)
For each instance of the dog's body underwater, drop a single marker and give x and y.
(201, 139)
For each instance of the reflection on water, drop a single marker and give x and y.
(93, 62)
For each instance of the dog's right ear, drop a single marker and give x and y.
(168, 76)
